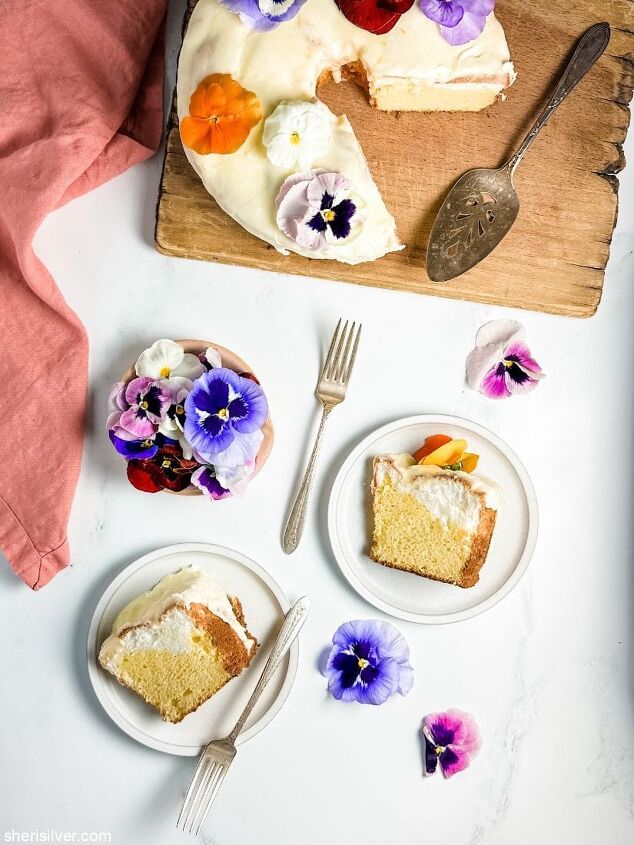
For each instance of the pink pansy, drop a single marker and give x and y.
(452, 740)
(116, 404)
(147, 402)
(501, 363)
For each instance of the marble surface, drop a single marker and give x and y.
(548, 672)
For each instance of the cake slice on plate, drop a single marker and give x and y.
(434, 520)
(179, 643)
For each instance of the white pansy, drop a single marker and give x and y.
(235, 479)
(213, 357)
(297, 133)
(165, 359)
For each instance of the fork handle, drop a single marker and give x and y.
(291, 626)
(297, 517)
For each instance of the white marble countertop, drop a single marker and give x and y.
(548, 672)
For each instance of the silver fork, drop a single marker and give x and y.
(219, 754)
(331, 390)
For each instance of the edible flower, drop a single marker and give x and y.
(167, 469)
(501, 363)
(165, 359)
(297, 133)
(221, 115)
(368, 662)
(441, 451)
(452, 740)
(210, 358)
(318, 208)
(146, 402)
(263, 15)
(224, 414)
(172, 424)
(459, 21)
(376, 16)
(221, 482)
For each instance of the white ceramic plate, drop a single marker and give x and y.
(409, 596)
(264, 605)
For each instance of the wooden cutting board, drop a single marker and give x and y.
(554, 257)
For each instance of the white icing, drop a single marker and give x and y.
(284, 64)
(188, 586)
(453, 503)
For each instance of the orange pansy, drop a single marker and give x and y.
(221, 115)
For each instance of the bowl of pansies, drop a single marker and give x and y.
(190, 417)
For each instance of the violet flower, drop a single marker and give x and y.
(222, 482)
(263, 15)
(459, 21)
(224, 414)
(452, 740)
(368, 663)
(146, 404)
(317, 209)
(501, 363)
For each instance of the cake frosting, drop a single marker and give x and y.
(448, 503)
(411, 67)
(185, 588)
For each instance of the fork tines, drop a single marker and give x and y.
(343, 349)
(201, 794)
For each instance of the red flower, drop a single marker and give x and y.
(377, 16)
(167, 470)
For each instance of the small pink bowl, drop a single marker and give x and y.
(238, 365)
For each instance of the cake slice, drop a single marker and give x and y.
(179, 643)
(431, 521)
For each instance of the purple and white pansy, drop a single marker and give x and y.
(318, 209)
(204, 415)
(224, 415)
(368, 662)
(452, 740)
(501, 364)
(459, 21)
(263, 15)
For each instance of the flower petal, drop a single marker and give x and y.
(189, 368)
(494, 384)
(163, 354)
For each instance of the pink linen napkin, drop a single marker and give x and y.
(81, 88)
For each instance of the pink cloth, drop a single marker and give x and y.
(81, 87)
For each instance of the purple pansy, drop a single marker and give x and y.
(205, 479)
(263, 15)
(317, 209)
(221, 482)
(452, 740)
(459, 21)
(369, 662)
(224, 414)
(131, 449)
(501, 363)
(147, 402)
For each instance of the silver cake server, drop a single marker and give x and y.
(482, 206)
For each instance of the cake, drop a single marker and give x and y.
(431, 520)
(227, 59)
(179, 643)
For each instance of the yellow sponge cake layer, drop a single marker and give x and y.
(429, 521)
(179, 643)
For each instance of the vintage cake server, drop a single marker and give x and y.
(482, 206)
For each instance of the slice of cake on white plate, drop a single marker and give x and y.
(431, 520)
(179, 643)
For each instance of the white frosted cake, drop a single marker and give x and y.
(411, 67)
(179, 643)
